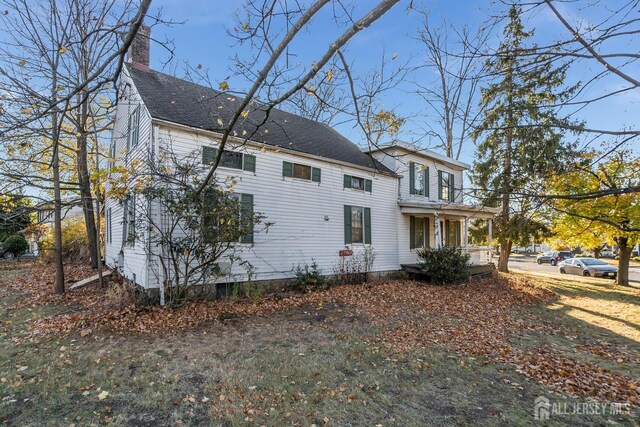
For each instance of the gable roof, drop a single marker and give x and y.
(179, 101)
(410, 148)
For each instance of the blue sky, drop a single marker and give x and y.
(203, 39)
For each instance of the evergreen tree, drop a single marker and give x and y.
(517, 145)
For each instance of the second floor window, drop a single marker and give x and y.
(134, 128)
(418, 179)
(299, 171)
(357, 183)
(229, 159)
(446, 186)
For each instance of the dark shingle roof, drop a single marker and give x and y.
(179, 101)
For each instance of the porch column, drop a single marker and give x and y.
(490, 240)
(438, 231)
(466, 234)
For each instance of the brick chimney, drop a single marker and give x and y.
(139, 50)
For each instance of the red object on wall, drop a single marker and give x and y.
(345, 252)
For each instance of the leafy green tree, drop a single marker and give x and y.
(517, 146)
(615, 217)
(15, 214)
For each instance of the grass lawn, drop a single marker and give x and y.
(395, 354)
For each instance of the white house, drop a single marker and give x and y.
(320, 193)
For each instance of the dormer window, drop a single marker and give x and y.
(418, 179)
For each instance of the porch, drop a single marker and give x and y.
(444, 224)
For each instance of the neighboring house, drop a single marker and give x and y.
(319, 191)
(70, 209)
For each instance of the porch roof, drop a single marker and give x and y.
(458, 209)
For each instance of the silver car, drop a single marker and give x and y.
(588, 267)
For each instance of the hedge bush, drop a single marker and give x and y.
(75, 244)
(444, 266)
(308, 276)
(16, 244)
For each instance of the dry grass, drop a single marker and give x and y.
(399, 353)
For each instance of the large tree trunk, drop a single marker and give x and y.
(57, 211)
(85, 184)
(505, 251)
(623, 261)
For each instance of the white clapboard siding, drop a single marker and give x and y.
(398, 160)
(297, 209)
(135, 258)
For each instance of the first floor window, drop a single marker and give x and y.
(357, 224)
(236, 210)
(452, 233)
(419, 232)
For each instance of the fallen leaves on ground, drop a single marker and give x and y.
(475, 319)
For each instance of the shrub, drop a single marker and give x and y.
(444, 266)
(16, 244)
(75, 244)
(309, 276)
(355, 268)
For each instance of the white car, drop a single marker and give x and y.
(588, 267)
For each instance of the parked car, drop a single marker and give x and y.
(607, 253)
(7, 254)
(588, 267)
(553, 257)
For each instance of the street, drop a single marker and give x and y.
(528, 264)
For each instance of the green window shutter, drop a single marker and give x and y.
(287, 169)
(367, 225)
(249, 162)
(452, 195)
(412, 176)
(412, 232)
(440, 185)
(427, 242)
(246, 216)
(458, 240)
(209, 155)
(347, 181)
(426, 182)
(347, 224)
(315, 174)
(447, 233)
(367, 185)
